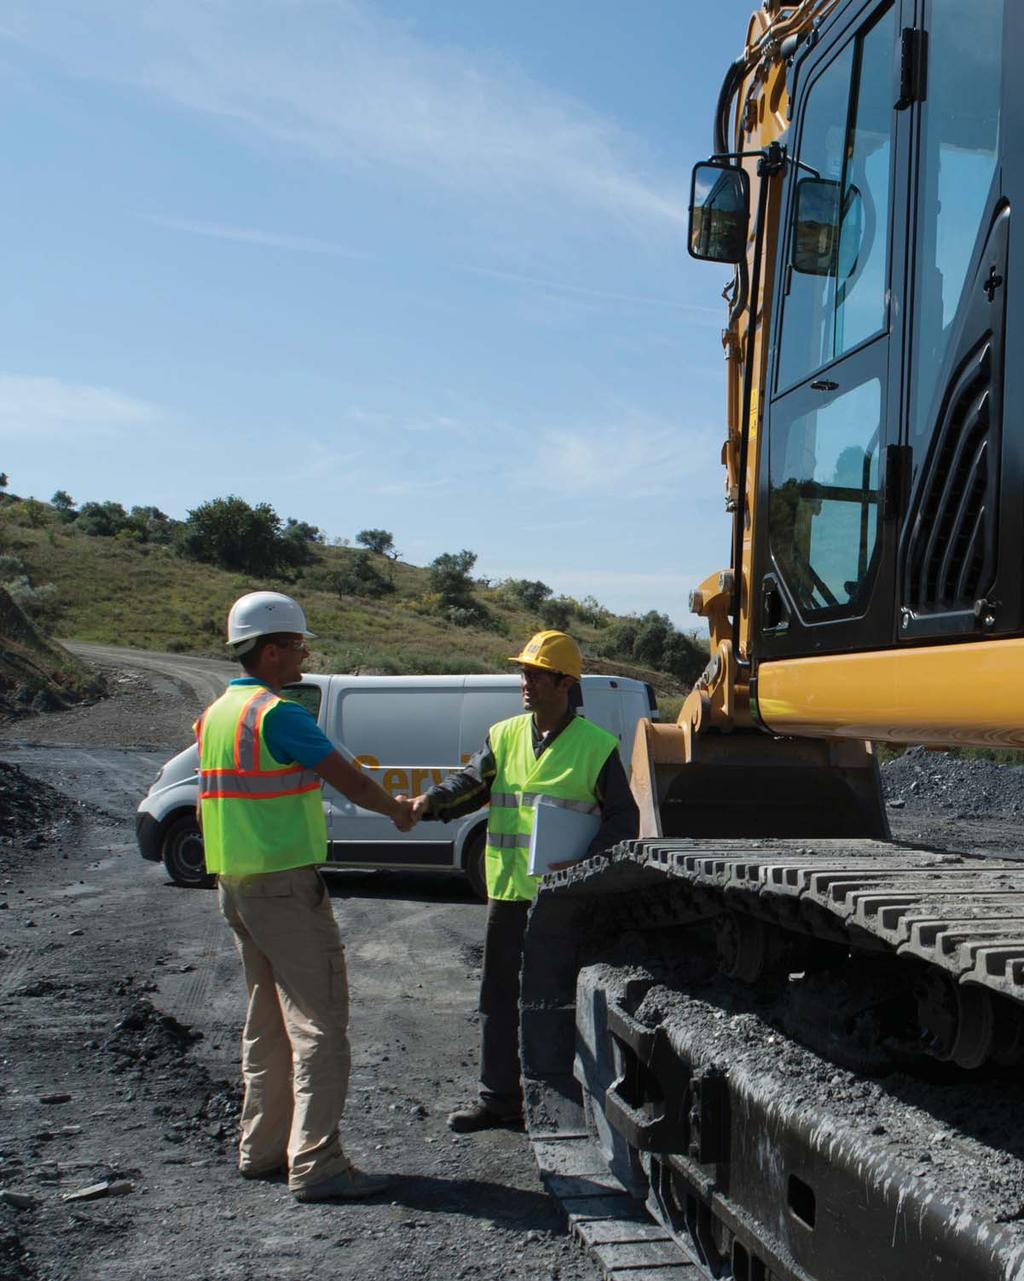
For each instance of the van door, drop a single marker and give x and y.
(404, 735)
(482, 707)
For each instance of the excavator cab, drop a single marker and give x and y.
(863, 194)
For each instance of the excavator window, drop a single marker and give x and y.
(960, 128)
(838, 295)
(827, 429)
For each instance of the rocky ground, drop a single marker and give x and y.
(120, 999)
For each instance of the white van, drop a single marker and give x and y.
(408, 732)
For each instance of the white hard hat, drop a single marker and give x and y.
(262, 614)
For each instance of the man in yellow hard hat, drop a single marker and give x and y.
(552, 752)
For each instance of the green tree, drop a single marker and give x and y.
(230, 533)
(361, 577)
(652, 635)
(151, 525)
(530, 593)
(381, 541)
(556, 613)
(102, 520)
(64, 505)
(449, 577)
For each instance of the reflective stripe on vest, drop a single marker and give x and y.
(246, 780)
(565, 773)
(528, 800)
(287, 828)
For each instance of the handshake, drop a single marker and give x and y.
(409, 812)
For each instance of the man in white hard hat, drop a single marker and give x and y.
(549, 752)
(261, 759)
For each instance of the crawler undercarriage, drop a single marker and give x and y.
(780, 1060)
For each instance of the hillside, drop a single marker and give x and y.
(125, 591)
(35, 673)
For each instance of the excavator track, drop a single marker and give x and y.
(760, 1059)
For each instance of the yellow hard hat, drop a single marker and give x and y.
(553, 650)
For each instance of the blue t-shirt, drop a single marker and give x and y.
(292, 735)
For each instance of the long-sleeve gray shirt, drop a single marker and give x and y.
(469, 788)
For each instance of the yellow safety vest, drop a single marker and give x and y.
(258, 815)
(567, 772)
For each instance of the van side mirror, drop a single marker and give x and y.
(719, 212)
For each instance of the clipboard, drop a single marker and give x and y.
(559, 835)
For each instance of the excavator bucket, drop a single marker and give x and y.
(751, 784)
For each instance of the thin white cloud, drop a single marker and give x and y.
(705, 315)
(632, 459)
(43, 408)
(338, 79)
(252, 236)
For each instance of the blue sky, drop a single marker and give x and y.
(402, 265)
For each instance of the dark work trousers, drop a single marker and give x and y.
(501, 1089)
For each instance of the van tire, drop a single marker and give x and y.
(183, 854)
(473, 862)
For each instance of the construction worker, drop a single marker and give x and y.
(261, 759)
(552, 752)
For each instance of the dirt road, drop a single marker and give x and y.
(121, 999)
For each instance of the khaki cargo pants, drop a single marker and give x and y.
(295, 1052)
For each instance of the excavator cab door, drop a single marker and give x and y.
(825, 557)
(890, 502)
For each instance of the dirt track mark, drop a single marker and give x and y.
(205, 677)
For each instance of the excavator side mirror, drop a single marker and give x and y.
(816, 227)
(719, 212)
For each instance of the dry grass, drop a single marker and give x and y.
(122, 592)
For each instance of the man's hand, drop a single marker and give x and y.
(419, 807)
(405, 819)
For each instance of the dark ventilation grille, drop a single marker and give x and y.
(951, 553)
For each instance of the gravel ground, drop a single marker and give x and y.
(147, 710)
(121, 999)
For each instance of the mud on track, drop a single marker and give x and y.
(121, 1000)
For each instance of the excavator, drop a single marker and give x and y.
(726, 1022)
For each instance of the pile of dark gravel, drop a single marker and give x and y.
(31, 812)
(924, 782)
(152, 1048)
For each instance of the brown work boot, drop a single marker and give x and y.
(350, 1186)
(269, 1173)
(478, 1116)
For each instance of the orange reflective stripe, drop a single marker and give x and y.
(258, 773)
(242, 783)
(242, 788)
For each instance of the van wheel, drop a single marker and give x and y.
(473, 864)
(183, 854)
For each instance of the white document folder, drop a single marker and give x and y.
(559, 835)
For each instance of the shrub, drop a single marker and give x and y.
(556, 613)
(250, 540)
(530, 593)
(449, 577)
(39, 603)
(654, 641)
(101, 520)
(361, 577)
(28, 511)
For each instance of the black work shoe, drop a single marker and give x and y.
(352, 1185)
(478, 1116)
